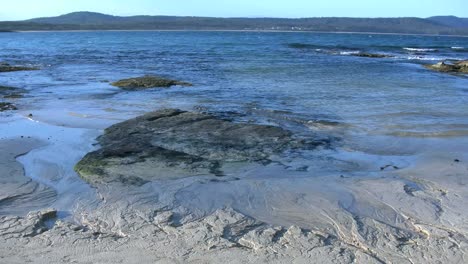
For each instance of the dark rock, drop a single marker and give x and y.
(172, 143)
(7, 107)
(5, 67)
(146, 82)
(13, 96)
(302, 46)
(371, 55)
(410, 190)
(389, 166)
(456, 67)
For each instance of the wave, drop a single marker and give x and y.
(438, 134)
(424, 58)
(349, 52)
(323, 125)
(411, 54)
(421, 49)
(428, 58)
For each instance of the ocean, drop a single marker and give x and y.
(373, 111)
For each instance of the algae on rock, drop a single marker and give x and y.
(456, 67)
(5, 67)
(146, 82)
(171, 143)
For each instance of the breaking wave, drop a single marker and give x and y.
(421, 49)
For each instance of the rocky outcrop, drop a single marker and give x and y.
(5, 67)
(7, 107)
(146, 82)
(172, 143)
(456, 67)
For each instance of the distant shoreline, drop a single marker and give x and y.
(92, 21)
(235, 30)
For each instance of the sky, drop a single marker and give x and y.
(25, 9)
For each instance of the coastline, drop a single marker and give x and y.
(254, 31)
(387, 186)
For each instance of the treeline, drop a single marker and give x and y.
(95, 21)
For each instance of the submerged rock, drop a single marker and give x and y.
(4, 106)
(11, 92)
(5, 67)
(302, 46)
(171, 143)
(371, 55)
(146, 82)
(458, 66)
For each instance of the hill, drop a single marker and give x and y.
(97, 21)
(78, 18)
(451, 21)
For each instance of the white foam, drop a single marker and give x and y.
(423, 58)
(458, 48)
(427, 58)
(419, 49)
(349, 52)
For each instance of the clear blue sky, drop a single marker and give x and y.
(24, 9)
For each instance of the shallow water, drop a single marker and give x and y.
(375, 112)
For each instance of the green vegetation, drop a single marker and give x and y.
(96, 21)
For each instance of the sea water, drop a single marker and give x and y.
(373, 111)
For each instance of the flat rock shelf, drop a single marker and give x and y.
(171, 143)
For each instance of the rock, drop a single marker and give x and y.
(171, 143)
(462, 66)
(456, 67)
(13, 96)
(5, 67)
(11, 92)
(146, 82)
(302, 46)
(372, 55)
(7, 107)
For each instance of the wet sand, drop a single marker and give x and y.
(413, 214)
(20, 194)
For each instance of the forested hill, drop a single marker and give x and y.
(96, 21)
